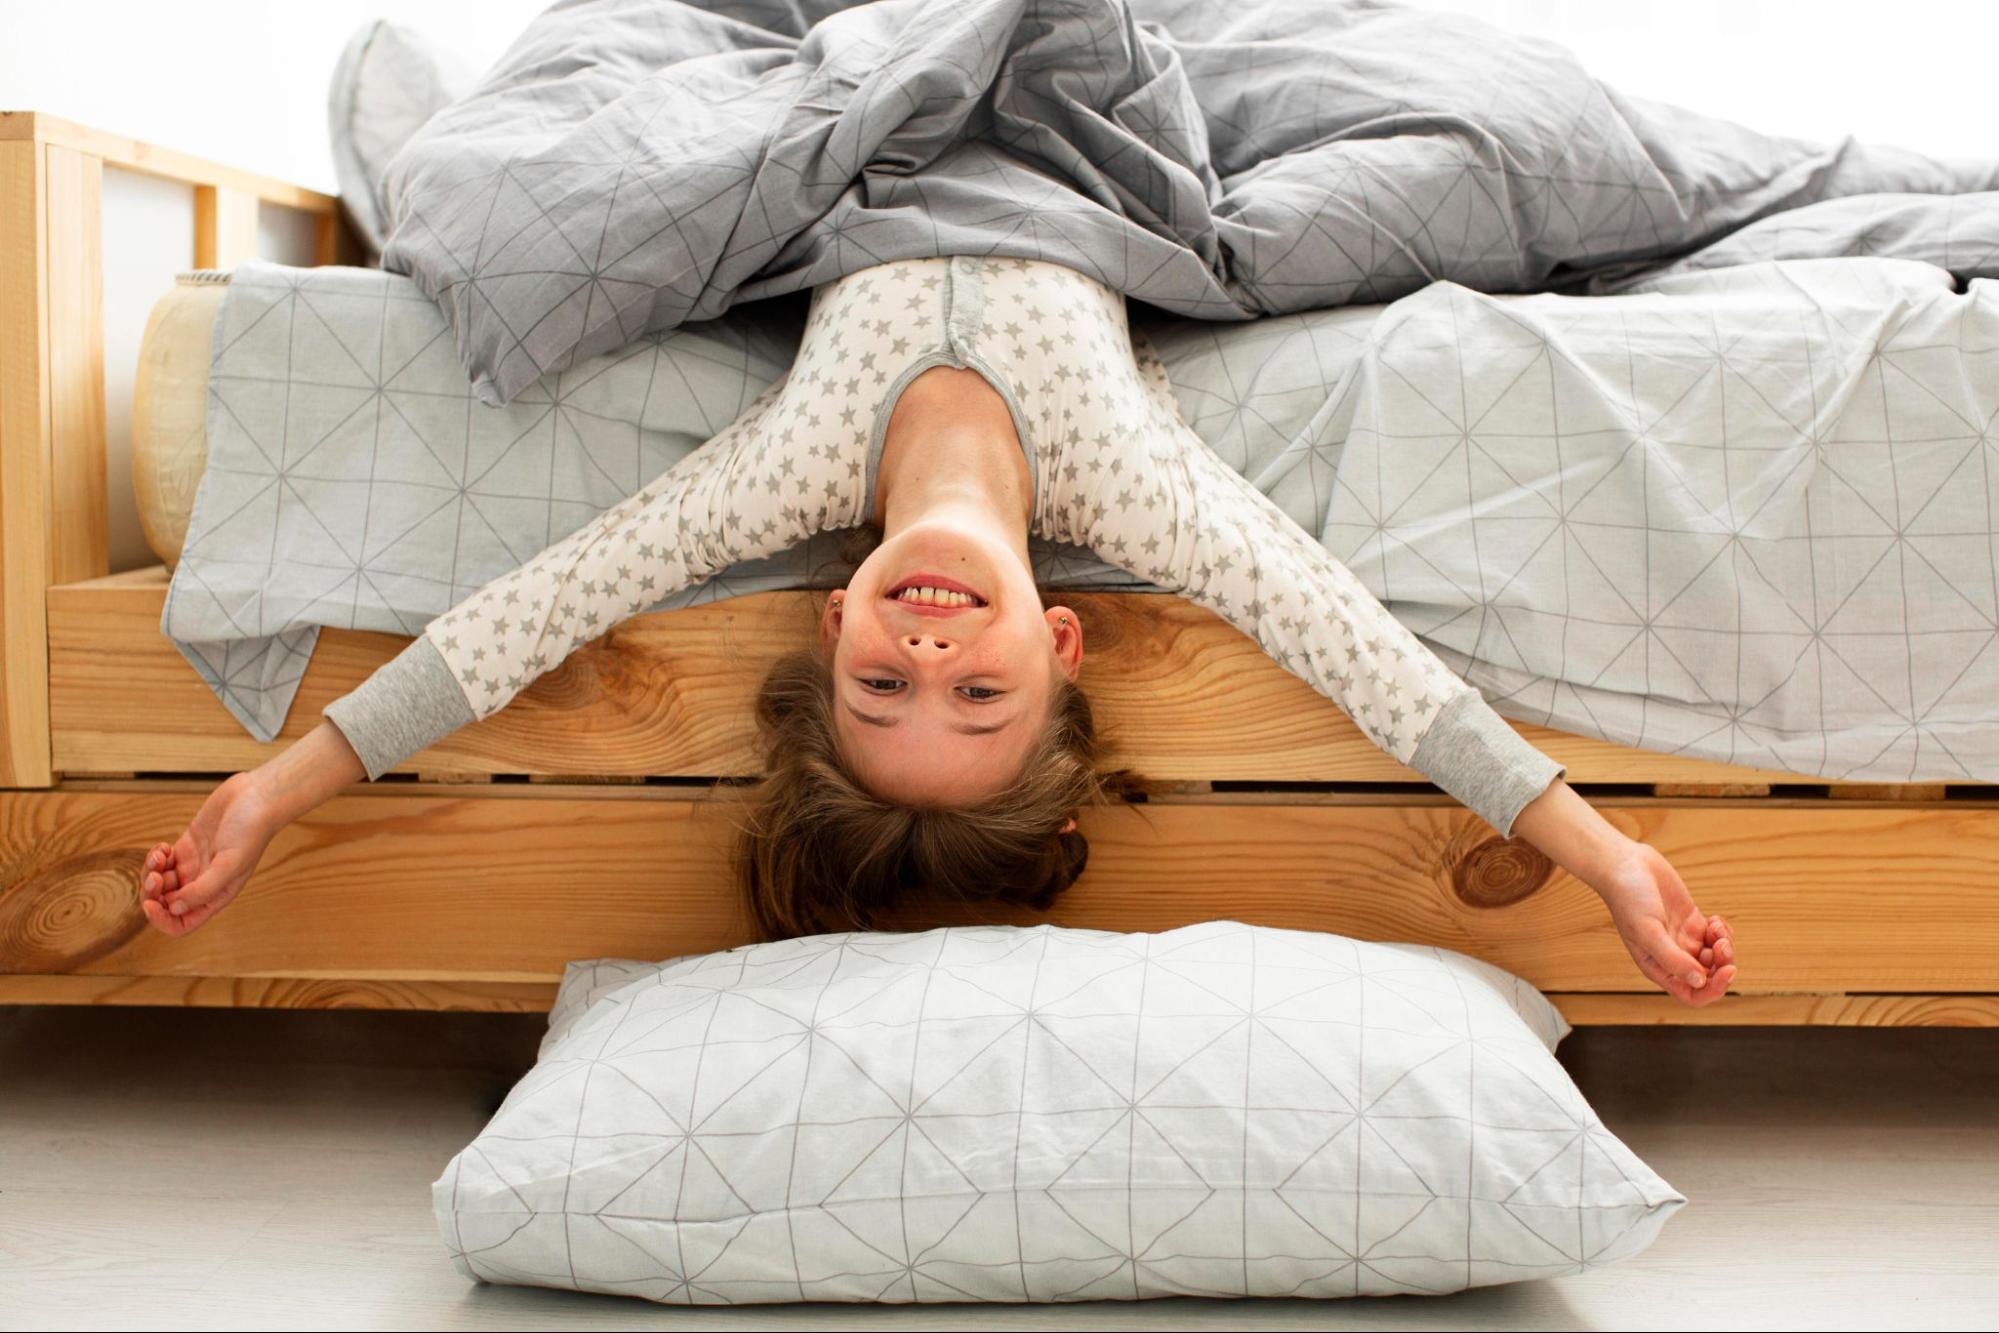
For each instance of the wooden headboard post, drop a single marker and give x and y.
(53, 508)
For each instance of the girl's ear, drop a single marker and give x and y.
(1065, 627)
(829, 621)
(1069, 827)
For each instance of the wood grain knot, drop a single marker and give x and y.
(71, 912)
(1500, 872)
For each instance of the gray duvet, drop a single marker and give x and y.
(630, 166)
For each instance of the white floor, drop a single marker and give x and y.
(215, 1169)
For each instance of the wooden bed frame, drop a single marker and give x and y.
(585, 819)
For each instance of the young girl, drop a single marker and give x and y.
(937, 736)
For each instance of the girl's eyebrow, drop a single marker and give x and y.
(985, 729)
(871, 719)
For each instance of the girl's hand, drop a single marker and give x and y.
(1689, 956)
(183, 884)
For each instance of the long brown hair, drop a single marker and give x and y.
(820, 852)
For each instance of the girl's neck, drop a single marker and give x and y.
(950, 451)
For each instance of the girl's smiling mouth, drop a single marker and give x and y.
(934, 595)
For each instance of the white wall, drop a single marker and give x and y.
(1905, 71)
(240, 81)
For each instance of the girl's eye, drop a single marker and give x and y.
(981, 693)
(881, 684)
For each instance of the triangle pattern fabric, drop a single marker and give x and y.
(1025, 1175)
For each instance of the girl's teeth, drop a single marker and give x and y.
(926, 596)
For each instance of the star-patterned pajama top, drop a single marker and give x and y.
(1115, 469)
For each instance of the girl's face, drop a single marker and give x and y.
(944, 664)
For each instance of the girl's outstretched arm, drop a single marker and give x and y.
(182, 884)
(1686, 954)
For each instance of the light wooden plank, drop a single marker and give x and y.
(225, 227)
(81, 541)
(1885, 1011)
(26, 539)
(506, 883)
(1183, 696)
(136, 155)
(1583, 1009)
(525, 997)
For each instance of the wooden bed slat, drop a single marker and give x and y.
(225, 226)
(1845, 1011)
(525, 997)
(1581, 1008)
(504, 884)
(1183, 695)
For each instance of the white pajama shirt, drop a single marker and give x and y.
(1115, 469)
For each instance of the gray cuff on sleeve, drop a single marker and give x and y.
(410, 702)
(1474, 755)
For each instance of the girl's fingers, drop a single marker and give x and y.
(1654, 939)
(196, 919)
(200, 892)
(1664, 979)
(1693, 927)
(1716, 987)
(152, 870)
(161, 919)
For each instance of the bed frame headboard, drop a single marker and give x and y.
(52, 418)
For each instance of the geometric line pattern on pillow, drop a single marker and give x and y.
(1042, 1114)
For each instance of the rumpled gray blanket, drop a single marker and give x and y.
(630, 166)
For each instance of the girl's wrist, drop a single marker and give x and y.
(1573, 835)
(301, 779)
(262, 795)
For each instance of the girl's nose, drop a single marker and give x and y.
(920, 640)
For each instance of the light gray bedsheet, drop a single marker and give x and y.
(1743, 515)
(632, 165)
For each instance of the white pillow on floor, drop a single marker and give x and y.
(1040, 1114)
